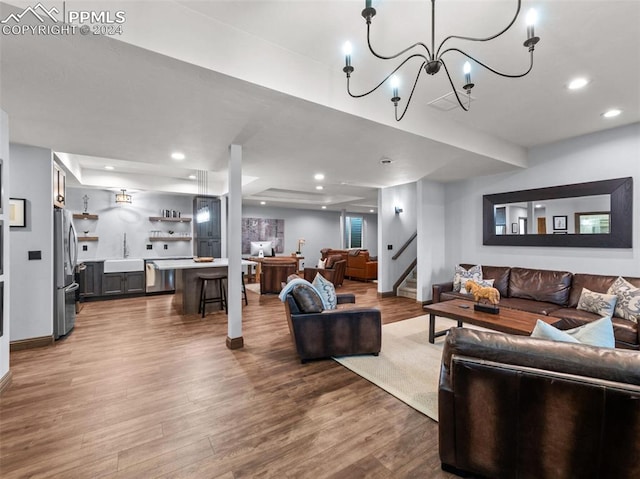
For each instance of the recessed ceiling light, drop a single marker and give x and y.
(538, 206)
(324, 207)
(611, 113)
(176, 155)
(386, 161)
(109, 167)
(577, 83)
(263, 202)
(192, 177)
(372, 211)
(318, 176)
(319, 187)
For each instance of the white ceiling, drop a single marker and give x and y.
(107, 101)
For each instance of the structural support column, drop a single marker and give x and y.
(234, 249)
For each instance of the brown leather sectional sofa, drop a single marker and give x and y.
(550, 293)
(513, 406)
(359, 264)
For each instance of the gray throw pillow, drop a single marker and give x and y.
(628, 304)
(307, 298)
(461, 276)
(598, 303)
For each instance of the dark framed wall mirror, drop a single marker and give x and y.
(597, 214)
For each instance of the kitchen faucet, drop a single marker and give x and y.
(125, 250)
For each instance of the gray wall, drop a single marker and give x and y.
(395, 229)
(608, 154)
(4, 216)
(31, 178)
(133, 219)
(320, 229)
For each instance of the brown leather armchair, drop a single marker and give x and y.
(514, 406)
(337, 332)
(335, 273)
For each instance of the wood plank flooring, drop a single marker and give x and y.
(137, 391)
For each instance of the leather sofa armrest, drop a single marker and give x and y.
(440, 288)
(346, 298)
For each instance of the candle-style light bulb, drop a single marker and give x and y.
(467, 72)
(531, 19)
(394, 81)
(347, 49)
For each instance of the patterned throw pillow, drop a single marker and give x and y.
(599, 303)
(484, 283)
(461, 276)
(628, 304)
(327, 291)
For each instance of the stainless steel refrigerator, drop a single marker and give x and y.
(65, 257)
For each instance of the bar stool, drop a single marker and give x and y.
(204, 279)
(244, 292)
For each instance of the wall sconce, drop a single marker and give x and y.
(123, 197)
(398, 210)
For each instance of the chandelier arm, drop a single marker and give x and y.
(473, 39)
(382, 57)
(387, 77)
(415, 83)
(453, 87)
(507, 75)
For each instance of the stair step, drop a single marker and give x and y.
(407, 292)
(411, 282)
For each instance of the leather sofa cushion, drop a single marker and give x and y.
(500, 275)
(540, 285)
(529, 305)
(593, 282)
(448, 295)
(331, 260)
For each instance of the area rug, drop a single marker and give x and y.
(408, 366)
(255, 287)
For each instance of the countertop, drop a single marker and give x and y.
(191, 264)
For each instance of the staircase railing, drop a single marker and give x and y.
(404, 275)
(405, 246)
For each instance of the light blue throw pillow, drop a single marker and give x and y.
(326, 290)
(596, 333)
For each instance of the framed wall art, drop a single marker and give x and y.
(559, 222)
(17, 212)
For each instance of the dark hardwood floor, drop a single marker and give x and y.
(139, 391)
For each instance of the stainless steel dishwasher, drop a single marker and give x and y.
(159, 281)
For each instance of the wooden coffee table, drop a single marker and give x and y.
(509, 321)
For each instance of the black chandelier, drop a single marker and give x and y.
(433, 60)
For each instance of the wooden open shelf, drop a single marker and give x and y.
(170, 238)
(82, 216)
(87, 238)
(170, 220)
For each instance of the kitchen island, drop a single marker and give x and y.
(187, 295)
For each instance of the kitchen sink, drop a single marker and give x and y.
(123, 265)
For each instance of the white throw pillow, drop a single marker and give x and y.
(488, 283)
(461, 275)
(596, 333)
(598, 303)
(628, 303)
(321, 263)
(326, 290)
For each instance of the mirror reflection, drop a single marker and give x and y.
(577, 215)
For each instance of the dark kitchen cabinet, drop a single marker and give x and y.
(207, 230)
(132, 282)
(91, 279)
